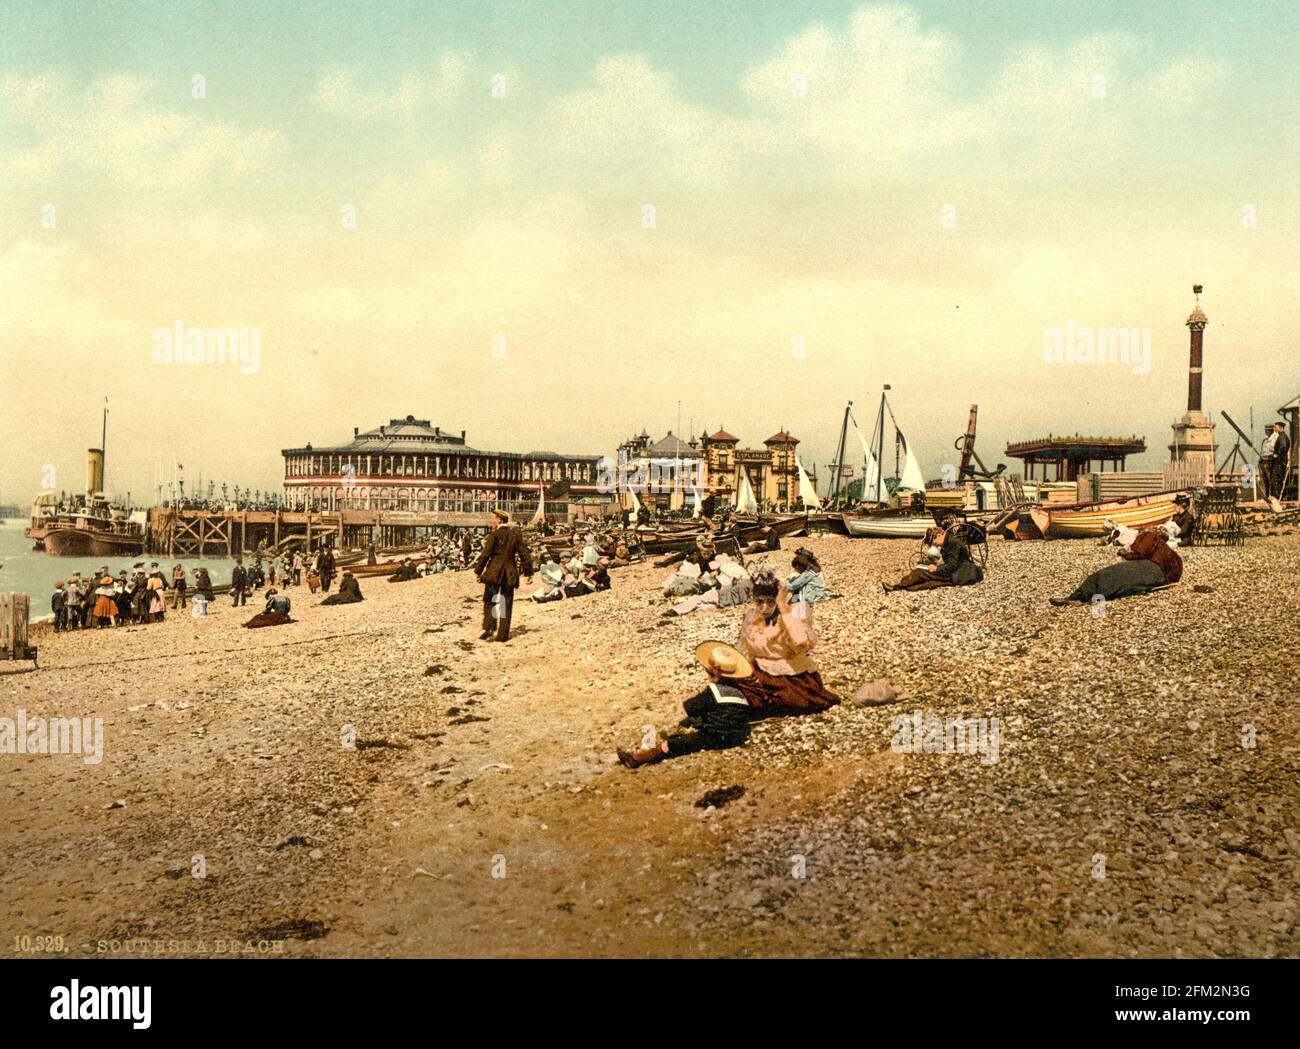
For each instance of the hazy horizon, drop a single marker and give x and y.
(549, 226)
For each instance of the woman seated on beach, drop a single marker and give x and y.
(276, 612)
(1184, 520)
(1149, 563)
(405, 572)
(716, 718)
(349, 592)
(552, 588)
(729, 585)
(598, 575)
(779, 640)
(806, 582)
(953, 566)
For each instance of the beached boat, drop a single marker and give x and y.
(904, 525)
(383, 568)
(669, 541)
(1085, 520)
(796, 524)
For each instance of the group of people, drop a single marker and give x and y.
(772, 672)
(1275, 461)
(1148, 560)
(449, 552)
(100, 599)
(316, 569)
(584, 572)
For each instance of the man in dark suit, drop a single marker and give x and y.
(239, 584)
(503, 559)
(1276, 459)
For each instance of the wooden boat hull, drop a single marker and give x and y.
(887, 526)
(383, 568)
(89, 542)
(784, 527)
(827, 523)
(1086, 522)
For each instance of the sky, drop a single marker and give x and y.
(554, 225)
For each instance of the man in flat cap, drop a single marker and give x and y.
(500, 564)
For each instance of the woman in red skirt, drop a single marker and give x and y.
(779, 641)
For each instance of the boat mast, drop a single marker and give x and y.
(103, 448)
(880, 442)
(839, 456)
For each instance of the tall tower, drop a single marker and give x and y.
(1194, 433)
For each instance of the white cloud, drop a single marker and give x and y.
(343, 92)
(110, 132)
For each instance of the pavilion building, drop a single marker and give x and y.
(409, 464)
(1066, 458)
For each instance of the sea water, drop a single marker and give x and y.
(32, 572)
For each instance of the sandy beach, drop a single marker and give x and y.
(1144, 800)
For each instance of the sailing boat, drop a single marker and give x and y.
(540, 515)
(745, 501)
(807, 490)
(883, 521)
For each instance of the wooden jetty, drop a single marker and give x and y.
(230, 533)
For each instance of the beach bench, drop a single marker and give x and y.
(13, 628)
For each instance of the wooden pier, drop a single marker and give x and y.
(230, 533)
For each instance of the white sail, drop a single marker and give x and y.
(699, 503)
(870, 470)
(540, 515)
(912, 478)
(807, 491)
(745, 501)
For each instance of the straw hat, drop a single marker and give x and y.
(502, 515)
(720, 656)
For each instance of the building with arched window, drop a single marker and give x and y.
(409, 464)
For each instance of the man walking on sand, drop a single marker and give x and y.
(503, 559)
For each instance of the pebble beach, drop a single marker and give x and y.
(372, 780)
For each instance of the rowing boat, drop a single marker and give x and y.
(664, 542)
(888, 526)
(1085, 520)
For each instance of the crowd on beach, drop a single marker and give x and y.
(145, 594)
(770, 671)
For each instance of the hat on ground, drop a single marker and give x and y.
(721, 657)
